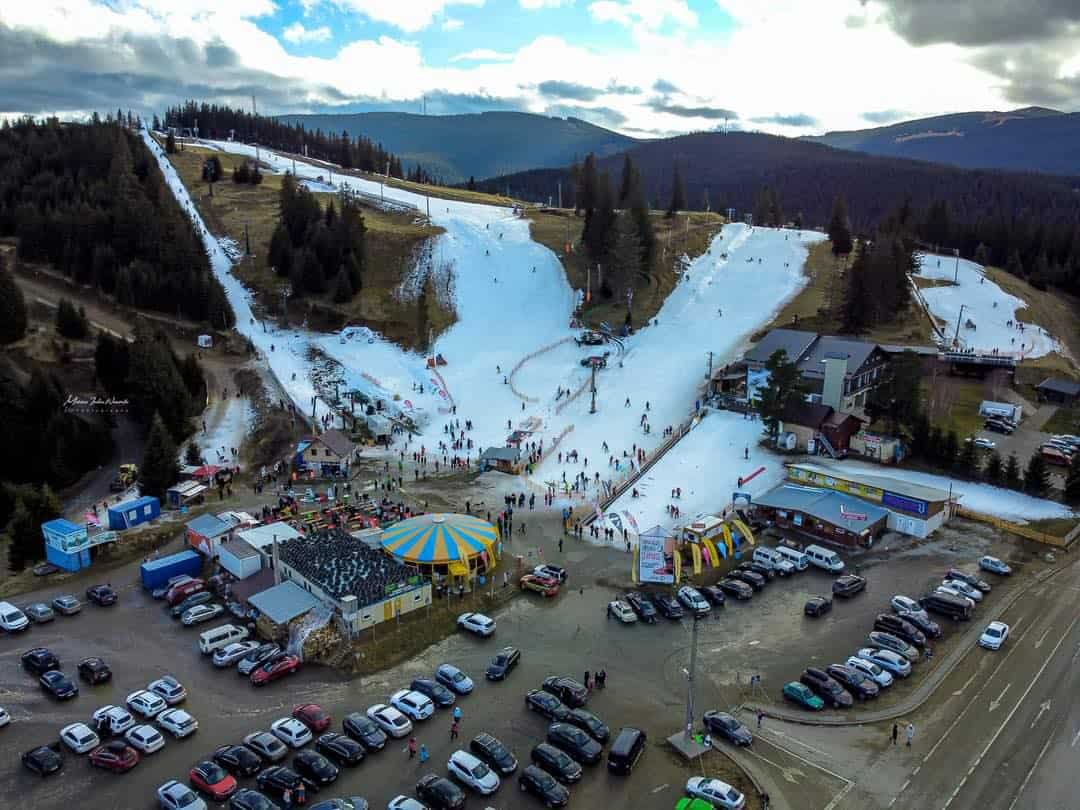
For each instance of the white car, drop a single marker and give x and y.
(715, 792)
(116, 719)
(267, 746)
(176, 796)
(405, 803)
(291, 732)
(178, 722)
(994, 635)
(169, 689)
(145, 738)
(472, 773)
(893, 663)
(476, 623)
(945, 589)
(231, 653)
(5, 718)
(621, 611)
(994, 566)
(691, 599)
(870, 670)
(200, 613)
(413, 704)
(390, 720)
(968, 590)
(79, 737)
(901, 604)
(146, 704)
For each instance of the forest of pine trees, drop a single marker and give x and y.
(318, 250)
(217, 121)
(90, 200)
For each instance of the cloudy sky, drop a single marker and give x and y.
(644, 67)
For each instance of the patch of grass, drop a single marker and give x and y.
(1056, 311)
(952, 403)
(816, 307)
(685, 234)
(394, 240)
(1064, 420)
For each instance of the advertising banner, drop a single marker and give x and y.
(905, 504)
(653, 565)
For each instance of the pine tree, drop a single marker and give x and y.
(422, 315)
(1072, 481)
(1014, 266)
(33, 507)
(784, 385)
(982, 255)
(678, 191)
(1012, 478)
(628, 182)
(1036, 476)
(12, 309)
(950, 449)
(343, 291)
(624, 262)
(858, 306)
(159, 469)
(280, 254)
(967, 463)
(71, 322)
(471, 185)
(170, 143)
(193, 455)
(993, 472)
(840, 228)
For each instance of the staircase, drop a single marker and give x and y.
(823, 442)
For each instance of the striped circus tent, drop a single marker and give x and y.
(460, 542)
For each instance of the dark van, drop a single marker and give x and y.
(955, 609)
(627, 749)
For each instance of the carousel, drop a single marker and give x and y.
(446, 547)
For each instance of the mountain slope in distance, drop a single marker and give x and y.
(456, 147)
(1029, 139)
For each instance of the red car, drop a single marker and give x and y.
(116, 756)
(213, 780)
(178, 593)
(545, 586)
(274, 669)
(313, 716)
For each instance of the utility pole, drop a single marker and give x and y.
(956, 337)
(956, 273)
(247, 241)
(592, 389)
(560, 199)
(688, 730)
(709, 375)
(254, 115)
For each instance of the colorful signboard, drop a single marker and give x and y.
(653, 564)
(905, 504)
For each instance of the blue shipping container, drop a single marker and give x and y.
(156, 573)
(132, 513)
(67, 560)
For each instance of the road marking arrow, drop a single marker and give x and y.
(967, 683)
(1044, 707)
(792, 775)
(1042, 638)
(997, 701)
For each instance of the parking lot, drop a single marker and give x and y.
(646, 686)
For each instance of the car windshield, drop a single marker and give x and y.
(481, 770)
(213, 772)
(11, 617)
(500, 660)
(563, 760)
(993, 631)
(546, 782)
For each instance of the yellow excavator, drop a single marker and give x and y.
(128, 475)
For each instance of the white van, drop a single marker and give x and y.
(823, 558)
(796, 558)
(774, 560)
(12, 620)
(221, 637)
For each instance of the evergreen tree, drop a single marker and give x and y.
(1012, 478)
(1036, 476)
(857, 312)
(994, 472)
(1015, 266)
(783, 387)
(12, 309)
(422, 315)
(343, 291)
(967, 463)
(678, 191)
(840, 228)
(935, 448)
(170, 143)
(280, 253)
(628, 182)
(938, 229)
(624, 261)
(154, 383)
(33, 507)
(159, 469)
(71, 321)
(471, 186)
(193, 455)
(1072, 481)
(896, 397)
(311, 271)
(982, 255)
(920, 436)
(950, 449)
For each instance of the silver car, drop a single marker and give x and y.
(254, 657)
(200, 614)
(231, 653)
(888, 641)
(40, 613)
(66, 605)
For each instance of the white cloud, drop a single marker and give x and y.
(483, 55)
(408, 15)
(649, 14)
(452, 24)
(532, 5)
(296, 33)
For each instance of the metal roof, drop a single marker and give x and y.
(794, 342)
(239, 548)
(856, 352)
(883, 482)
(208, 526)
(827, 505)
(283, 603)
(262, 537)
(502, 453)
(63, 526)
(1067, 387)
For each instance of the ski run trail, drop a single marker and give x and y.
(512, 345)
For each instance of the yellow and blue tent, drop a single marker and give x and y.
(441, 539)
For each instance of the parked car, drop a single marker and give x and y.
(159, 593)
(146, 704)
(44, 760)
(267, 746)
(900, 603)
(848, 585)
(178, 722)
(439, 793)
(454, 679)
(566, 689)
(735, 587)
(176, 796)
(722, 724)
(716, 792)
(504, 661)
(543, 785)
(291, 732)
(751, 578)
(546, 704)
(231, 653)
(556, 762)
(471, 772)
(965, 589)
(212, 780)
(66, 605)
(626, 750)
(927, 626)
(476, 623)
(494, 753)
(970, 579)
(40, 660)
(714, 595)
(239, 760)
(406, 803)
(200, 614)
(994, 566)
(994, 635)
(555, 572)
(169, 689)
(800, 695)
(693, 601)
(315, 769)
(390, 720)
(101, 595)
(889, 641)
(817, 606)
(667, 606)
(40, 613)
(621, 611)
(94, 670)
(116, 756)
(59, 685)
(145, 738)
(196, 599)
(435, 691)
(314, 716)
(590, 723)
(276, 779)
(12, 620)
(642, 606)
(112, 720)
(955, 607)
(274, 668)
(758, 568)
(178, 593)
(364, 730)
(891, 623)
(892, 662)
(340, 749)
(955, 594)
(871, 670)
(856, 682)
(574, 741)
(79, 737)
(5, 717)
(826, 688)
(414, 705)
(542, 585)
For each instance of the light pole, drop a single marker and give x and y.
(956, 273)
(956, 337)
(688, 730)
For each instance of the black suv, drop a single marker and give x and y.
(817, 606)
(363, 729)
(439, 793)
(505, 660)
(494, 753)
(642, 606)
(668, 606)
(724, 725)
(735, 587)
(543, 786)
(556, 762)
(566, 689)
(713, 594)
(826, 688)
(102, 595)
(277, 779)
(40, 660)
(439, 694)
(59, 685)
(853, 680)
(546, 704)
(891, 623)
(239, 760)
(751, 578)
(848, 585)
(94, 670)
(579, 745)
(589, 722)
(315, 769)
(757, 568)
(928, 626)
(340, 749)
